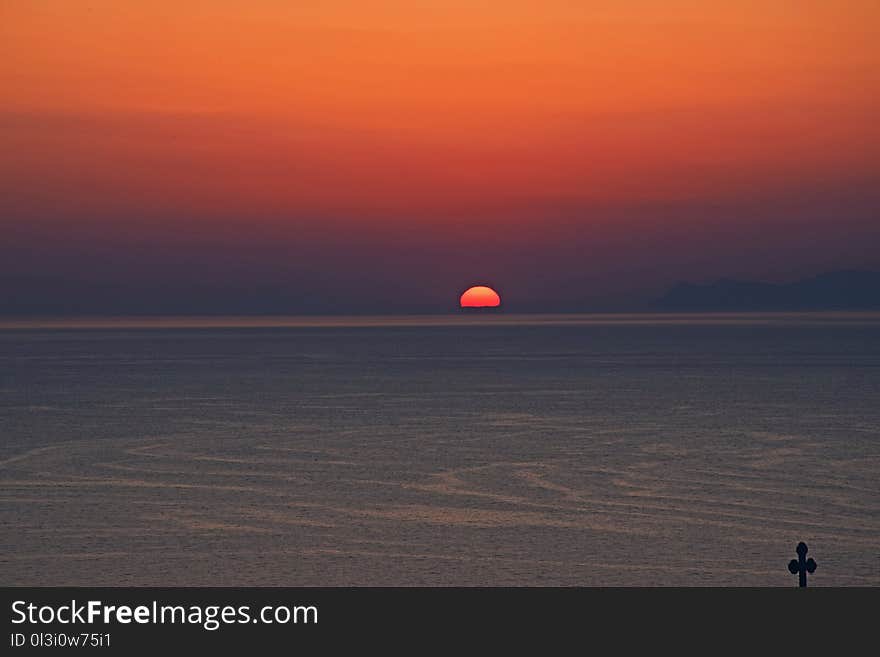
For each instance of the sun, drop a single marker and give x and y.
(480, 296)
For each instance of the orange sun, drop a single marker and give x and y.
(480, 296)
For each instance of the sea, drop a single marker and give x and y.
(496, 450)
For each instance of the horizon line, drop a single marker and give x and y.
(450, 319)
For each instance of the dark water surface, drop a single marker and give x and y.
(574, 451)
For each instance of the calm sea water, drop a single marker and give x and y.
(446, 451)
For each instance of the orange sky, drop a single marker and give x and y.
(442, 116)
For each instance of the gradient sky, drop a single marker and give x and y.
(183, 156)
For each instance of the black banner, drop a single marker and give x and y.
(123, 620)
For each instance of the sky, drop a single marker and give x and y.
(268, 156)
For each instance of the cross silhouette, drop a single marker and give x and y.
(801, 566)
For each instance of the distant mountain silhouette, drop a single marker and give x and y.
(838, 290)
